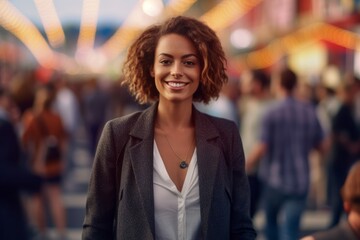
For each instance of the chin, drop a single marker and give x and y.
(178, 99)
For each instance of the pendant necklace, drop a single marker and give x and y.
(183, 164)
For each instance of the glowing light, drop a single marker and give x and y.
(357, 60)
(16, 23)
(331, 77)
(226, 12)
(92, 61)
(131, 28)
(308, 58)
(268, 55)
(51, 22)
(152, 8)
(88, 25)
(241, 38)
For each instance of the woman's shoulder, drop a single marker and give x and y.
(222, 125)
(218, 121)
(125, 120)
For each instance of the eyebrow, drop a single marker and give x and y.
(182, 57)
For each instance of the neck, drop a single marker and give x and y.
(38, 109)
(261, 95)
(354, 221)
(284, 93)
(172, 115)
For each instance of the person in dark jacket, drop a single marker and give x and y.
(170, 172)
(349, 228)
(14, 177)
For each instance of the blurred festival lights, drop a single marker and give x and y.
(51, 22)
(241, 38)
(16, 23)
(152, 8)
(227, 11)
(135, 23)
(87, 58)
(94, 60)
(90, 13)
(270, 54)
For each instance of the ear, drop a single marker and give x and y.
(152, 72)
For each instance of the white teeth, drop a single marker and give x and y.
(176, 84)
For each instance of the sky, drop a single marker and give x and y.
(69, 11)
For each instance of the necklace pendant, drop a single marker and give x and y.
(183, 165)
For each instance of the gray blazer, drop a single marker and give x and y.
(120, 202)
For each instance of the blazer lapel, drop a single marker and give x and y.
(141, 154)
(208, 155)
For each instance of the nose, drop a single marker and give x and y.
(176, 74)
(176, 71)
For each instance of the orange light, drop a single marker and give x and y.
(226, 12)
(268, 55)
(16, 23)
(51, 22)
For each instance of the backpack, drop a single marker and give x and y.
(52, 149)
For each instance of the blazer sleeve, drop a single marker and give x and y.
(241, 223)
(101, 199)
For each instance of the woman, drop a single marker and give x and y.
(170, 172)
(42, 126)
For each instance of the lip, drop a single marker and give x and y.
(176, 85)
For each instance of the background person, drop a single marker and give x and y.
(290, 130)
(14, 177)
(39, 123)
(348, 229)
(345, 148)
(253, 107)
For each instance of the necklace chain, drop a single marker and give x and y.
(183, 163)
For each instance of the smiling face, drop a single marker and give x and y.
(176, 68)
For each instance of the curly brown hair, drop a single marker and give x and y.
(140, 59)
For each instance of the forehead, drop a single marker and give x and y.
(174, 44)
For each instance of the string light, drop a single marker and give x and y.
(16, 23)
(218, 18)
(51, 22)
(152, 8)
(88, 25)
(268, 55)
(226, 12)
(126, 33)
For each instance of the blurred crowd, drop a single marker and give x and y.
(300, 139)
(40, 118)
(318, 129)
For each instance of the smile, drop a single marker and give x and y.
(177, 84)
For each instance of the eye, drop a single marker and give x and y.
(165, 62)
(189, 62)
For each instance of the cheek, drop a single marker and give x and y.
(160, 73)
(196, 76)
(159, 76)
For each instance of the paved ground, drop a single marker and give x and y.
(312, 221)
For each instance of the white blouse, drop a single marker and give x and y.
(177, 214)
